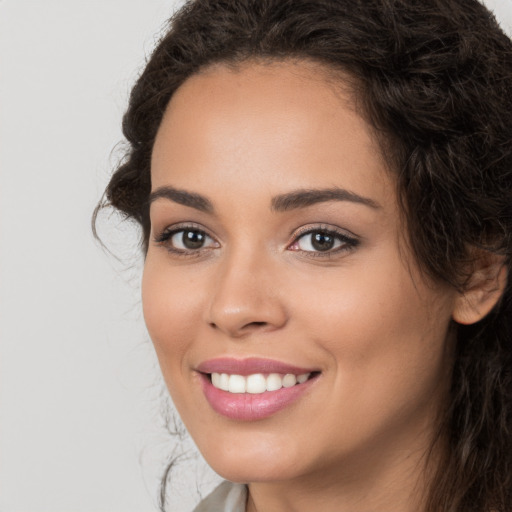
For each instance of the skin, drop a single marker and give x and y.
(364, 315)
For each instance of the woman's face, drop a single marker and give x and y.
(277, 248)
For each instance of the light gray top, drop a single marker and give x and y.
(227, 497)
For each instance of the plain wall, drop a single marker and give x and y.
(80, 389)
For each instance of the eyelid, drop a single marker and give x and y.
(179, 226)
(163, 237)
(349, 240)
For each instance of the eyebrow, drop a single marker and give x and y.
(309, 197)
(183, 197)
(282, 203)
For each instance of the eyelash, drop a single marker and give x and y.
(165, 237)
(346, 242)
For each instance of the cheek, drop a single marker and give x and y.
(384, 334)
(388, 366)
(171, 308)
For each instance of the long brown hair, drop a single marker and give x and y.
(434, 77)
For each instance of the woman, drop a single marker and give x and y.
(325, 195)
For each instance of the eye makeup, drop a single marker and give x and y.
(322, 241)
(316, 241)
(185, 240)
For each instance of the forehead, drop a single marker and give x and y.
(279, 124)
(262, 83)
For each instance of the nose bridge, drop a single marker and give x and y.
(245, 298)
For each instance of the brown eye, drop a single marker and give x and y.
(322, 241)
(318, 241)
(190, 240)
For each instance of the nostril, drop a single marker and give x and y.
(241, 329)
(254, 325)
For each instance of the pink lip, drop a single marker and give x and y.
(247, 406)
(249, 366)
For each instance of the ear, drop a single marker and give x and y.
(483, 290)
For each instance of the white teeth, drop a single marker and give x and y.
(216, 380)
(237, 384)
(274, 382)
(223, 382)
(256, 383)
(302, 378)
(289, 380)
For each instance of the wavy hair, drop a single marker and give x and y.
(434, 79)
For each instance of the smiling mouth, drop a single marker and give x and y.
(253, 389)
(257, 383)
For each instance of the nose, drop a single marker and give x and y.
(246, 298)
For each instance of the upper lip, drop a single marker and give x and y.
(249, 366)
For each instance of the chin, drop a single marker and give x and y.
(257, 465)
(248, 473)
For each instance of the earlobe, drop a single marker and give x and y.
(483, 290)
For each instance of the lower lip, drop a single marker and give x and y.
(252, 407)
